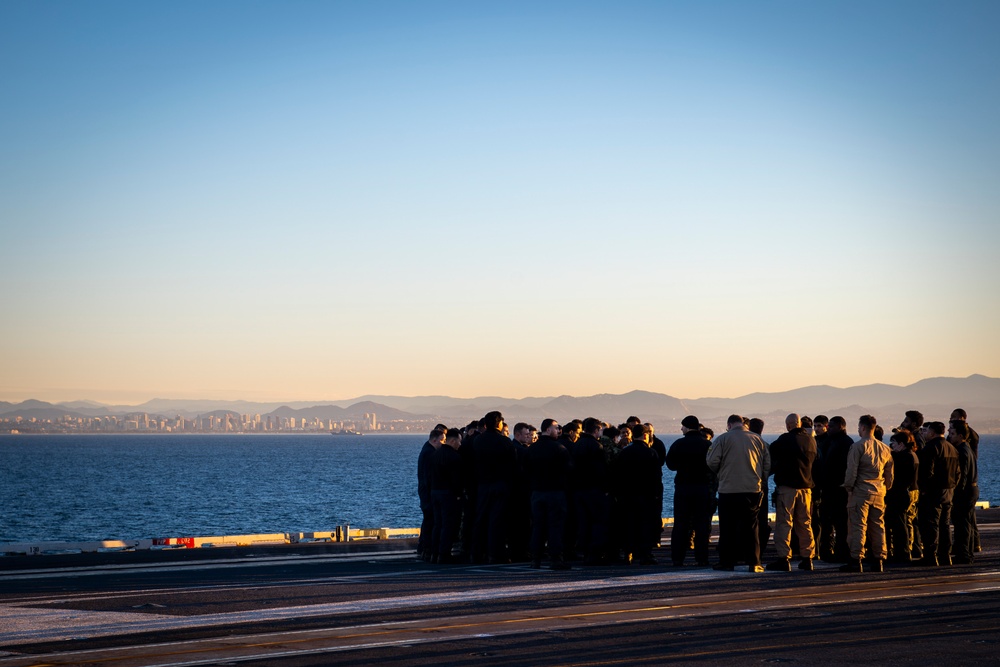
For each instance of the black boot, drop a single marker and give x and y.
(876, 565)
(852, 565)
(780, 565)
(806, 564)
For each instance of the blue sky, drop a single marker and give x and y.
(320, 200)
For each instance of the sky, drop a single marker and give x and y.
(321, 200)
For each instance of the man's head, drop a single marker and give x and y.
(912, 420)
(521, 433)
(958, 414)
(866, 426)
(632, 421)
(933, 430)
(756, 425)
(572, 430)
(958, 431)
(551, 428)
(436, 438)
(820, 424)
(640, 433)
(734, 421)
(453, 438)
(838, 424)
(593, 427)
(690, 423)
(493, 421)
(792, 422)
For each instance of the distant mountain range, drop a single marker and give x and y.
(935, 397)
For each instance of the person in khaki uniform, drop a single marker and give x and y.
(868, 476)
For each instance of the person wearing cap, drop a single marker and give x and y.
(692, 493)
(741, 461)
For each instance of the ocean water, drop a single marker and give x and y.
(94, 487)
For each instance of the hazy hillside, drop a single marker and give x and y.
(936, 397)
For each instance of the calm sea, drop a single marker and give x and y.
(93, 487)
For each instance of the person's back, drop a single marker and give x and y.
(835, 465)
(686, 457)
(792, 457)
(869, 468)
(495, 458)
(548, 465)
(447, 471)
(740, 459)
(939, 466)
(692, 493)
(590, 467)
(637, 470)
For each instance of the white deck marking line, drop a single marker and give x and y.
(23, 625)
(232, 649)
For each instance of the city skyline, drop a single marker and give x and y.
(302, 201)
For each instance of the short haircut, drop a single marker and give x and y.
(734, 419)
(757, 425)
(707, 432)
(520, 426)
(936, 427)
(442, 427)
(612, 432)
(438, 432)
(807, 422)
(453, 433)
(633, 419)
(493, 419)
(821, 419)
(547, 422)
(961, 428)
(868, 422)
(638, 430)
(591, 424)
(915, 417)
(837, 420)
(905, 438)
(572, 425)
(959, 413)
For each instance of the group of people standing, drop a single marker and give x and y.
(594, 492)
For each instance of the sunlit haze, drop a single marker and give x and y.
(310, 200)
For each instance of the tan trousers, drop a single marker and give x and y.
(793, 511)
(866, 526)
